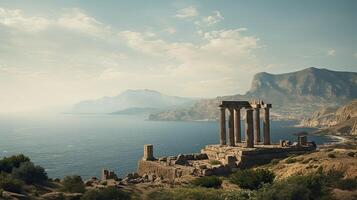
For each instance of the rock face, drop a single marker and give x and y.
(339, 121)
(295, 95)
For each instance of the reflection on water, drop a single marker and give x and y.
(84, 144)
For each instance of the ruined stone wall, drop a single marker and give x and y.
(246, 157)
(169, 173)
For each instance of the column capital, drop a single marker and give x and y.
(267, 106)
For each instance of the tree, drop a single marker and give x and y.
(7, 164)
(30, 173)
(73, 184)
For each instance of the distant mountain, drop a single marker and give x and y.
(136, 111)
(294, 95)
(131, 99)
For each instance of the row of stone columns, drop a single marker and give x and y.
(252, 125)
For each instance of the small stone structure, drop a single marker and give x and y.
(148, 152)
(221, 158)
(107, 174)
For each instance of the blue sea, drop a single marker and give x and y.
(85, 144)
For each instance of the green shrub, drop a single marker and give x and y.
(239, 195)
(294, 188)
(275, 161)
(306, 160)
(73, 184)
(111, 193)
(252, 179)
(10, 184)
(331, 155)
(215, 162)
(7, 164)
(347, 184)
(186, 194)
(290, 160)
(208, 182)
(351, 154)
(30, 173)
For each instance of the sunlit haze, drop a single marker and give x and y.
(56, 53)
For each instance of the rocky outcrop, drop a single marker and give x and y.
(339, 121)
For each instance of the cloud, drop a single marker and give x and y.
(221, 53)
(171, 30)
(16, 19)
(331, 52)
(210, 20)
(188, 12)
(80, 57)
(213, 19)
(355, 55)
(76, 19)
(72, 19)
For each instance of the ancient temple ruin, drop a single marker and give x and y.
(252, 122)
(223, 158)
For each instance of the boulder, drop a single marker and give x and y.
(163, 159)
(181, 160)
(200, 156)
(73, 196)
(53, 196)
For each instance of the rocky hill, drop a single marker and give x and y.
(146, 99)
(339, 121)
(294, 95)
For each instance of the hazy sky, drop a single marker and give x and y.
(55, 53)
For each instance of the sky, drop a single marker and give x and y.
(56, 53)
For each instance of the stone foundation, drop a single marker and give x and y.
(216, 160)
(248, 157)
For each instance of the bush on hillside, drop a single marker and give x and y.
(30, 173)
(347, 184)
(252, 179)
(331, 155)
(73, 184)
(294, 188)
(112, 193)
(10, 184)
(208, 182)
(275, 161)
(8, 163)
(215, 162)
(351, 154)
(186, 193)
(290, 160)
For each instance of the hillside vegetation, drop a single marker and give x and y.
(338, 121)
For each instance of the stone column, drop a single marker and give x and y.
(237, 126)
(266, 125)
(231, 127)
(256, 119)
(223, 126)
(148, 152)
(249, 136)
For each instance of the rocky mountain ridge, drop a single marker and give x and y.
(294, 95)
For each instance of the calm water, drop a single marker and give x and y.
(84, 144)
